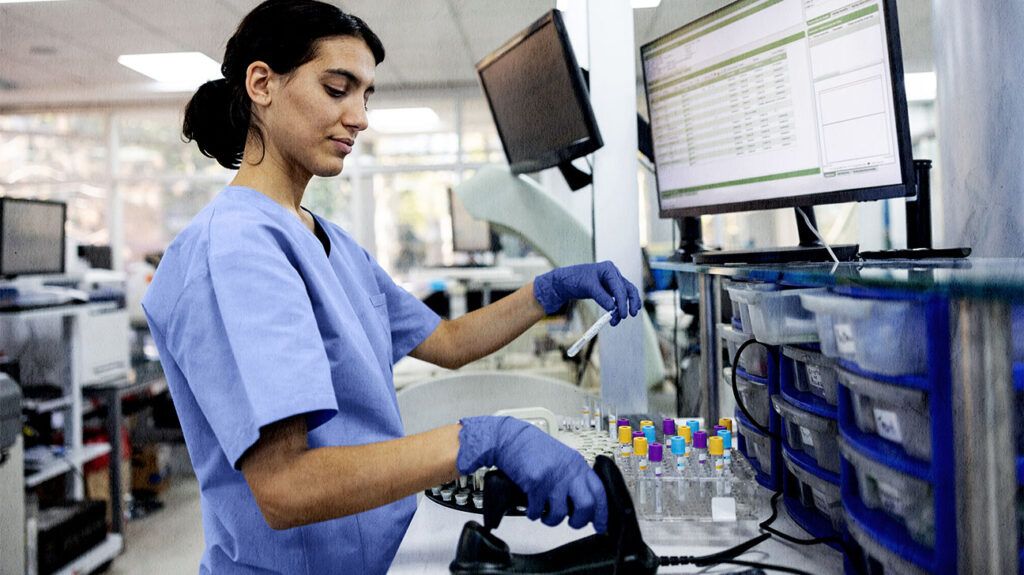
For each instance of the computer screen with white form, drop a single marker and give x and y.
(774, 103)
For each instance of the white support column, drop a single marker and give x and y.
(612, 56)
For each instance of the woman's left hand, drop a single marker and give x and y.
(600, 282)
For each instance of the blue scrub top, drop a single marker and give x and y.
(255, 323)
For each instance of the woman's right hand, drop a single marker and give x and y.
(550, 473)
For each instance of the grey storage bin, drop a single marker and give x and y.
(814, 373)
(817, 493)
(759, 447)
(888, 562)
(812, 434)
(755, 357)
(899, 414)
(907, 499)
(744, 309)
(777, 317)
(754, 395)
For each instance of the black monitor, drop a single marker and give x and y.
(768, 104)
(539, 99)
(31, 237)
(469, 234)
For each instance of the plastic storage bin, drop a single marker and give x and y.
(740, 309)
(907, 499)
(881, 336)
(819, 490)
(810, 433)
(814, 373)
(753, 392)
(777, 317)
(759, 446)
(755, 357)
(878, 559)
(896, 413)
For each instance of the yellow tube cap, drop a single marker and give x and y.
(640, 446)
(687, 434)
(716, 445)
(625, 434)
(645, 423)
(726, 423)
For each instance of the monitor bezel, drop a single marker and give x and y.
(577, 149)
(4, 201)
(907, 188)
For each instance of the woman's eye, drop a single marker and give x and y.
(333, 93)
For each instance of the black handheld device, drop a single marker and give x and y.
(620, 551)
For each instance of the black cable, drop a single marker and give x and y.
(767, 566)
(766, 526)
(736, 393)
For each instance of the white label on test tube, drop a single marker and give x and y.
(643, 463)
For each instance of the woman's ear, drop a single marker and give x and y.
(257, 83)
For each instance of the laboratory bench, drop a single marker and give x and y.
(881, 396)
(430, 543)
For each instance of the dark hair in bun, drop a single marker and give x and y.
(284, 34)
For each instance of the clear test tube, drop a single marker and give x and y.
(585, 415)
(596, 419)
(715, 451)
(613, 426)
(687, 434)
(640, 452)
(656, 454)
(463, 482)
(625, 447)
(726, 451)
(700, 446)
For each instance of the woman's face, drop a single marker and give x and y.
(318, 109)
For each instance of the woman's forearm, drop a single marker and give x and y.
(330, 482)
(488, 329)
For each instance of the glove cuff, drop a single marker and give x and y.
(545, 294)
(476, 443)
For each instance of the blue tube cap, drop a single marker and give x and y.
(650, 434)
(679, 445)
(726, 436)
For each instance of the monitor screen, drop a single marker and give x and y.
(538, 98)
(31, 237)
(468, 233)
(776, 103)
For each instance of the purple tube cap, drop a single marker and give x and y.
(638, 434)
(655, 452)
(622, 422)
(719, 428)
(668, 426)
(700, 440)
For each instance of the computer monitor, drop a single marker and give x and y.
(31, 237)
(469, 234)
(779, 103)
(539, 99)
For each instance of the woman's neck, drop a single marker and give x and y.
(268, 174)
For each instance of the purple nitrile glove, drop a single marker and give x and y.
(546, 470)
(600, 282)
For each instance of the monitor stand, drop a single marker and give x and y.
(809, 249)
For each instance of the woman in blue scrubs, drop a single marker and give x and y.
(278, 333)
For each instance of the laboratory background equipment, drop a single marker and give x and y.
(31, 237)
(534, 80)
(469, 235)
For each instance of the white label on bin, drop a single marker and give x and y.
(806, 437)
(892, 499)
(814, 377)
(887, 424)
(844, 338)
(723, 509)
(822, 502)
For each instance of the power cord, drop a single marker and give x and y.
(736, 393)
(814, 230)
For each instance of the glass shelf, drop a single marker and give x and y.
(992, 278)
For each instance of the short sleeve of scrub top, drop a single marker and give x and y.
(255, 323)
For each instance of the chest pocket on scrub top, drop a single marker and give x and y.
(380, 306)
